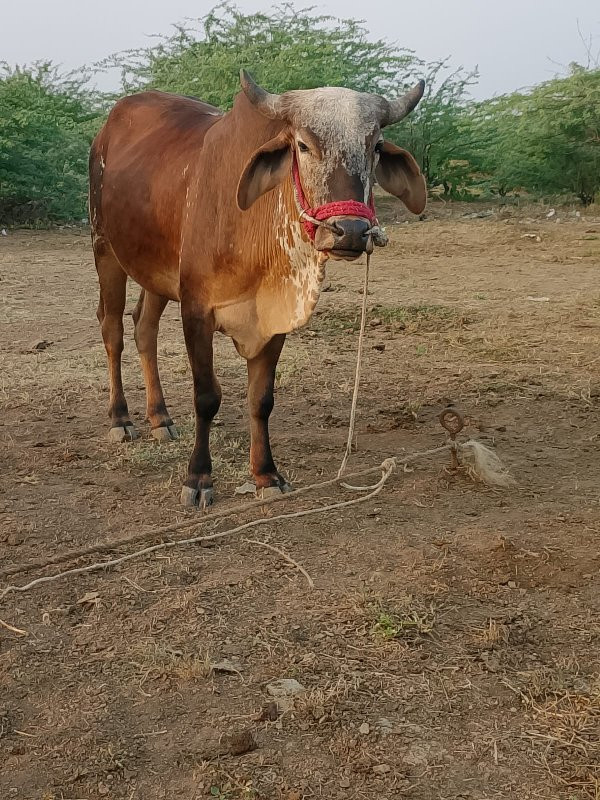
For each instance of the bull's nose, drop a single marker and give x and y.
(344, 234)
(350, 233)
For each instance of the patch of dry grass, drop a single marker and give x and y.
(421, 318)
(492, 634)
(321, 703)
(168, 460)
(159, 662)
(564, 730)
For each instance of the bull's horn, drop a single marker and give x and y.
(402, 106)
(265, 102)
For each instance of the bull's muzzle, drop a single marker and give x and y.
(344, 237)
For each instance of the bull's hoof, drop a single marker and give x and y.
(197, 497)
(165, 433)
(123, 433)
(274, 491)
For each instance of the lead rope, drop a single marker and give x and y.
(361, 337)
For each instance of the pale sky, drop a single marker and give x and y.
(515, 43)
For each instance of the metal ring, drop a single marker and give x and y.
(452, 420)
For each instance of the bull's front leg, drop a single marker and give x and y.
(261, 382)
(198, 329)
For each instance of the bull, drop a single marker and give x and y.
(234, 215)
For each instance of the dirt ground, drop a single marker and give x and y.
(450, 645)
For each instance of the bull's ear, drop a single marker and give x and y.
(399, 174)
(266, 168)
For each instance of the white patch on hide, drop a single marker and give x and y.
(302, 285)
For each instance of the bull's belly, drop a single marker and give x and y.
(145, 253)
(157, 277)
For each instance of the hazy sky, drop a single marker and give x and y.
(514, 42)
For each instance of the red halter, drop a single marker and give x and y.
(341, 208)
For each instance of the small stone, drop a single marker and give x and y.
(382, 769)
(285, 687)
(130, 774)
(40, 344)
(511, 585)
(364, 729)
(103, 789)
(344, 783)
(385, 726)
(225, 665)
(246, 488)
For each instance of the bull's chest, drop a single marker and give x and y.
(284, 300)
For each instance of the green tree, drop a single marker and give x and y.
(546, 141)
(434, 132)
(46, 125)
(286, 49)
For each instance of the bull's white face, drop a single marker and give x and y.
(337, 139)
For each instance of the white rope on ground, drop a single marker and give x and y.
(361, 338)
(486, 466)
(196, 521)
(387, 468)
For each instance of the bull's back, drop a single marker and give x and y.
(140, 166)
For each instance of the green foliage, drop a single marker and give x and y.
(46, 125)
(546, 141)
(286, 49)
(432, 133)
(297, 49)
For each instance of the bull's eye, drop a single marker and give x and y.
(379, 146)
(302, 147)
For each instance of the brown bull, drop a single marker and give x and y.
(234, 216)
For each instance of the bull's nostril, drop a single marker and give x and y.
(349, 233)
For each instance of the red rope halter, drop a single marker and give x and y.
(341, 208)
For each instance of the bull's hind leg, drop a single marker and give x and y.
(146, 317)
(261, 382)
(113, 288)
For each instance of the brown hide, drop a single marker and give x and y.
(140, 168)
(163, 178)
